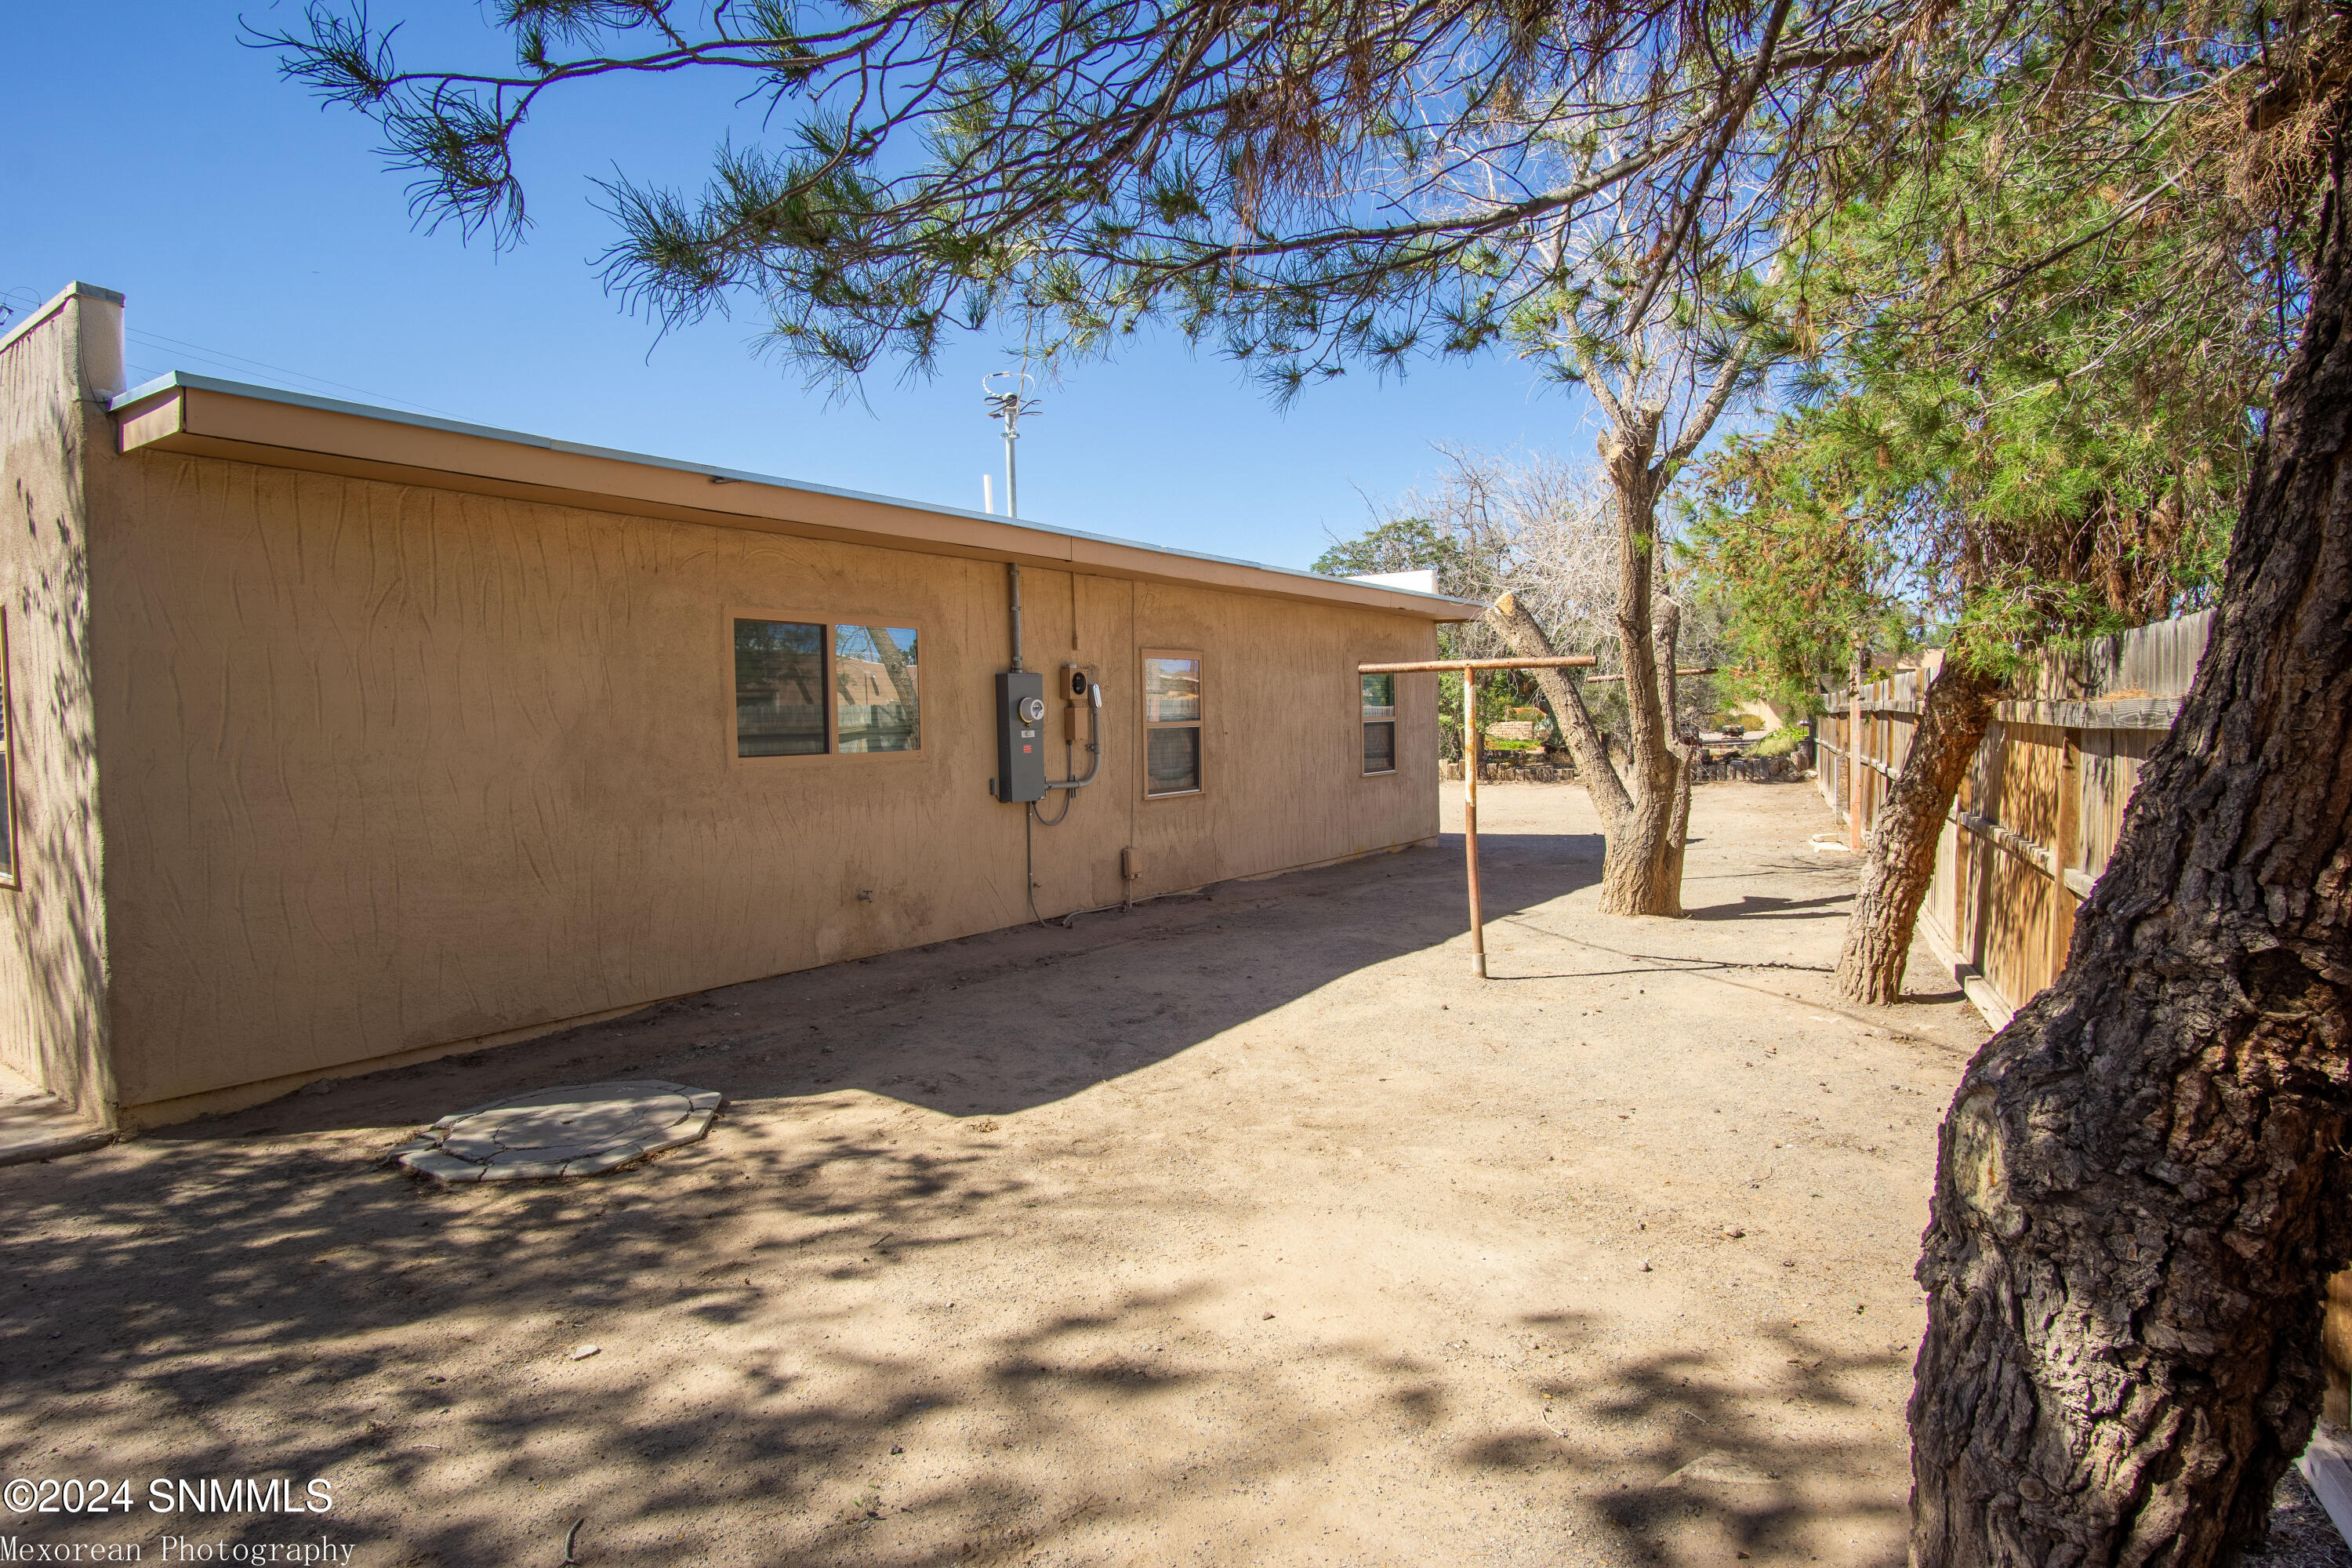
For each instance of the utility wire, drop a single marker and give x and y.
(227, 361)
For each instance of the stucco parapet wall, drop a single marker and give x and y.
(183, 413)
(55, 303)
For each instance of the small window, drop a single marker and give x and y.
(1380, 723)
(1171, 725)
(874, 689)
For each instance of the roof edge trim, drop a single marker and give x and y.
(183, 380)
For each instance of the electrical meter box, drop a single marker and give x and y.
(1020, 736)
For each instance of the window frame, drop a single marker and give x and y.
(1146, 724)
(830, 620)
(1366, 723)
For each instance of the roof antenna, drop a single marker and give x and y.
(1006, 394)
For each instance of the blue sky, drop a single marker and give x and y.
(241, 219)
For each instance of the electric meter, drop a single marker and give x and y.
(1019, 736)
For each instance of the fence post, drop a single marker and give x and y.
(1854, 749)
(2069, 850)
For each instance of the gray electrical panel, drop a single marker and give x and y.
(1020, 736)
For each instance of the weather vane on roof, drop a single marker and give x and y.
(1006, 394)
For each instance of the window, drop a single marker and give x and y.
(1380, 723)
(874, 689)
(779, 688)
(784, 670)
(1171, 725)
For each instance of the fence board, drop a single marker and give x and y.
(2041, 805)
(2038, 815)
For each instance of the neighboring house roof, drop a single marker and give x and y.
(184, 413)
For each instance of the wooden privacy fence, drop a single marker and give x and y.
(2042, 803)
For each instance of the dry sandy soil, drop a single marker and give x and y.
(1240, 1228)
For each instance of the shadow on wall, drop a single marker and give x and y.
(60, 961)
(1000, 1022)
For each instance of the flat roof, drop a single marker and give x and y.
(199, 414)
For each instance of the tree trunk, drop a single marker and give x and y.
(1952, 723)
(1634, 877)
(1520, 632)
(2143, 1180)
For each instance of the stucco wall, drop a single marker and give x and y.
(53, 435)
(398, 766)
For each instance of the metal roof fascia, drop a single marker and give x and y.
(173, 380)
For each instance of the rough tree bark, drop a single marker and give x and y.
(2143, 1180)
(1634, 879)
(1901, 844)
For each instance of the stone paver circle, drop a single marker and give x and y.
(576, 1129)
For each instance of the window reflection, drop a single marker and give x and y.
(779, 688)
(875, 706)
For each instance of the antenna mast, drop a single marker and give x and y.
(1005, 393)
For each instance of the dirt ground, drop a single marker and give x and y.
(1239, 1228)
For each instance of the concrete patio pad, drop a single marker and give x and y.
(37, 1125)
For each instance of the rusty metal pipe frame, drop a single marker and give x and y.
(1464, 667)
(1702, 669)
(1448, 666)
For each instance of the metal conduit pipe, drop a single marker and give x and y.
(1013, 569)
(1094, 745)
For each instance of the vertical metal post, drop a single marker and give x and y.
(1470, 816)
(1009, 405)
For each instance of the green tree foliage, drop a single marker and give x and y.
(1306, 185)
(2031, 414)
(1470, 561)
(1413, 544)
(1788, 545)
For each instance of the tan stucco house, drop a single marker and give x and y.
(338, 737)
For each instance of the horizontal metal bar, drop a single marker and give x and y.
(1448, 666)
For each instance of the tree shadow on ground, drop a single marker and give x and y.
(252, 1309)
(1707, 1471)
(789, 1367)
(1106, 997)
(1762, 906)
